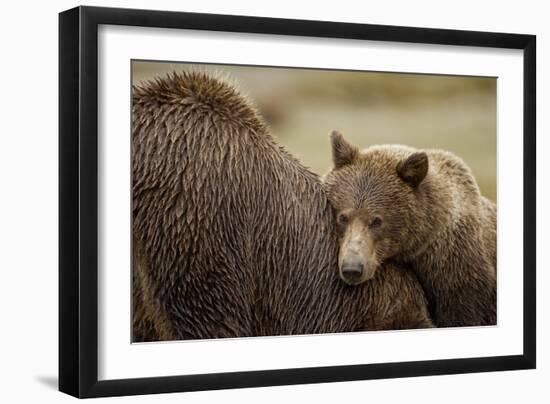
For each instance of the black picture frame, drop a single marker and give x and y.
(78, 201)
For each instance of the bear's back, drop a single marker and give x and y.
(223, 212)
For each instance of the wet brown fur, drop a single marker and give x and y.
(435, 221)
(233, 237)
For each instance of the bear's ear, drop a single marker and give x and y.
(343, 153)
(414, 168)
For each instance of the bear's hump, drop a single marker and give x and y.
(201, 94)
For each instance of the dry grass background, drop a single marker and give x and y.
(427, 111)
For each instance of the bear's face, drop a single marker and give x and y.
(374, 196)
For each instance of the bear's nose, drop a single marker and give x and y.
(352, 272)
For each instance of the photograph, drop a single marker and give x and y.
(253, 201)
(275, 201)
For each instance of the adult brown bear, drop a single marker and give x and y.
(232, 236)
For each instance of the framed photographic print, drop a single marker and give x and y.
(251, 201)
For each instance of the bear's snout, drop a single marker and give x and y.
(357, 260)
(352, 272)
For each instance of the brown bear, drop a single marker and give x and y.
(232, 236)
(420, 209)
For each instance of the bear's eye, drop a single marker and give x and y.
(375, 222)
(342, 219)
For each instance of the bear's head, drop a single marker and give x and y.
(379, 199)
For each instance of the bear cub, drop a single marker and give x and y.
(421, 209)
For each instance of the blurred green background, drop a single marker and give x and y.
(454, 113)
